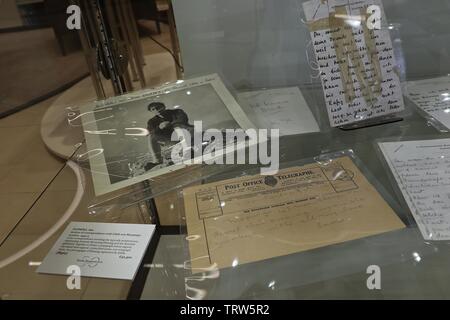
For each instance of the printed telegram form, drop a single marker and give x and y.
(422, 172)
(255, 218)
(356, 63)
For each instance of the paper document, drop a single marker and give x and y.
(254, 218)
(355, 60)
(422, 171)
(433, 97)
(284, 109)
(104, 250)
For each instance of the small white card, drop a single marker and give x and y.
(102, 250)
(422, 171)
(433, 97)
(284, 109)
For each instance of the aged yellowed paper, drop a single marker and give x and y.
(255, 218)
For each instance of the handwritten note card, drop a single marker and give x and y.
(356, 63)
(284, 109)
(422, 171)
(433, 97)
(104, 250)
(254, 218)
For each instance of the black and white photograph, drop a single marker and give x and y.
(131, 140)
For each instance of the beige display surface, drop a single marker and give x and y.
(255, 218)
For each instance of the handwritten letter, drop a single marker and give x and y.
(356, 64)
(422, 171)
(433, 97)
(284, 109)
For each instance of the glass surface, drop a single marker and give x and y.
(255, 45)
(261, 33)
(411, 267)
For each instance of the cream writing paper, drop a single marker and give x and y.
(254, 218)
(433, 97)
(284, 109)
(356, 64)
(422, 171)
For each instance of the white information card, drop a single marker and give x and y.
(422, 171)
(355, 60)
(433, 97)
(103, 250)
(284, 109)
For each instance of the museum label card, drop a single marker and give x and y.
(422, 172)
(255, 218)
(283, 108)
(103, 250)
(356, 63)
(433, 97)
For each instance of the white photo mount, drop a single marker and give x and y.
(201, 98)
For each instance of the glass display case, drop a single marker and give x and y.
(299, 152)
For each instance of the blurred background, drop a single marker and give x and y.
(41, 57)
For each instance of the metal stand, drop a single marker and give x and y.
(111, 44)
